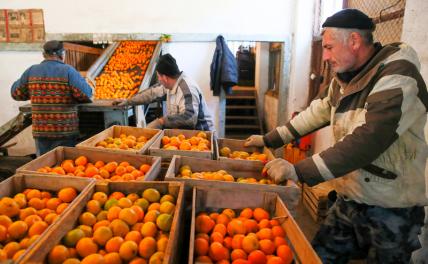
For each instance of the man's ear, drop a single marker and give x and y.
(355, 40)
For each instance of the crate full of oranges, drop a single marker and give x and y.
(97, 164)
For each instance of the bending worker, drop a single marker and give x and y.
(186, 106)
(376, 105)
(55, 89)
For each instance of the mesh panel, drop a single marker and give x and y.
(387, 14)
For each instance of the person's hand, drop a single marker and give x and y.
(254, 141)
(155, 124)
(280, 170)
(120, 102)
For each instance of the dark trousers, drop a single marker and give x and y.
(358, 231)
(44, 145)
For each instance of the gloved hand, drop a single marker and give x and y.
(155, 124)
(120, 102)
(280, 170)
(254, 141)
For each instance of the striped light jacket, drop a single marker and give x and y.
(54, 89)
(186, 106)
(379, 123)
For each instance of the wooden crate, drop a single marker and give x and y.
(289, 193)
(115, 131)
(39, 253)
(238, 145)
(213, 199)
(315, 199)
(21, 181)
(59, 154)
(156, 148)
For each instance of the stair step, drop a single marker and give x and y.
(238, 97)
(243, 88)
(242, 126)
(241, 107)
(242, 117)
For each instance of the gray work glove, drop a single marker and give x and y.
(155, 124)
(254, 141)
(120, 102)
(280, 170)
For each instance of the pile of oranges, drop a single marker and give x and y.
(119, 229)
(111, 171)
(123, 73)
(195, 143)
(185, 172)
(125, 142)
(251, 237)
(26, 216)
(227, 152)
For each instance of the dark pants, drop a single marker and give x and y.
(44, 145)
(357, 231)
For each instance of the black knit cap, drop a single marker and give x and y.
(350, 18)
(167, 66)
(53, 47)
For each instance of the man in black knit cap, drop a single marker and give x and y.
(186, 106)
(376, 106)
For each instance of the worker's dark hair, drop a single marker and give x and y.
(168, 66)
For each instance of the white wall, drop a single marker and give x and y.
(261, 80)
(12, 65)
(238, 17)
(301, 56)
(414, 31)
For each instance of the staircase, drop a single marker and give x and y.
(242, 118)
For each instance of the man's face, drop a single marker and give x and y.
(164, 80)
(337, 53)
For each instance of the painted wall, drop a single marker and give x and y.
(262, 76)
(166, 16)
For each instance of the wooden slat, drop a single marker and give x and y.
(82, 48)
(116, 131)
(289, 193)
(56, 156)
(214, 199)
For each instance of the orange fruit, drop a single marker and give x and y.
(218, 252)
(9, 207)
(138, 260)
(259, 214)
(257, 257)
(227, 242)
(93, 259)
(235, 227)
(11, 248)
(238, 254)
(275, 260)
(278, 231)
(116, 195)
(264, 223)
(204, 224)
(31, 219)
(91, 171)
(267, 246)
(119, 228)
(3, 233)
(58, 254)
(61, 208)
(237, 241)
(264, 233)
(18, 254)
(120, 170)
(86, 246)
(37, 228)
(220, 228)
(53, 203)
(247, 213)
(17, 229)
(93, 206)
(201, 246)
(99, 164)
(81, 160)
(128, 250)
(151, 216)
(113, 244)
(162, 243)
(112, 258)
(279, 241)
(133, 236)
(157, 258)
(100, 197)
(113, 213)
(68, 166)
(124, 202)
(67, 194)
(87, 219)
(284, 252)
(223, 219)
(36, 203)
(73, 236)
(229, 212)
(149, 229)
(102, 235)
(147, 247)
(3, 255)
(203, 259)
(6, 221)
(250, 243)
(251, 225)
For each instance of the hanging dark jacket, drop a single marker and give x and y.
(224, 70)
